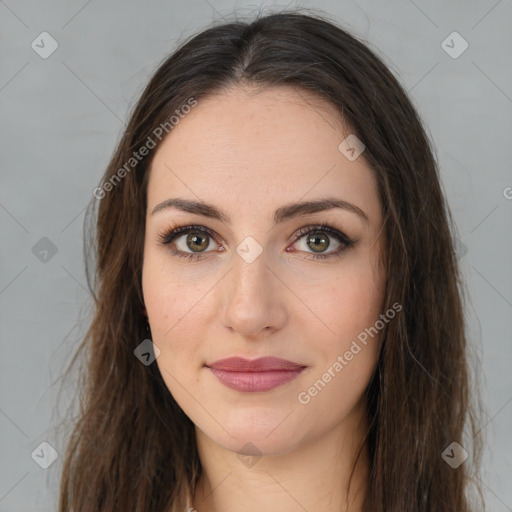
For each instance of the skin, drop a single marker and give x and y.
(249, 152)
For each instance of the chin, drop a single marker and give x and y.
(265, 435)
(256, 444)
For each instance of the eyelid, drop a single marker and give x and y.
(311, 228)
(167, 236)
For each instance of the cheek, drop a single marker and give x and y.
(175, 331)
(169, 299)
(350, 306)
(348, 355)
(339, 386)
(173, 311)
(350, 303)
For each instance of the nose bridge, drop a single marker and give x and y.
(250, 272)
(251, 302)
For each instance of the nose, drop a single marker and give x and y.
(253, 302)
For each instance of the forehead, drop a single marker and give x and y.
(255, 147)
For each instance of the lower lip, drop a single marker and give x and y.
(255, 381)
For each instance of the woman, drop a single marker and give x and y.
(279, 317)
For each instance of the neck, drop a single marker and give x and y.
(314, 475)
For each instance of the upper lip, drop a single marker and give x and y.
(262, 364)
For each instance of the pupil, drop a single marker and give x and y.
(194, 242)
(319, 239)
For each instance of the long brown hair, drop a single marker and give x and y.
(132, 447)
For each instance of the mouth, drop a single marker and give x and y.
(257, 375)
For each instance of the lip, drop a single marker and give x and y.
(257, 375)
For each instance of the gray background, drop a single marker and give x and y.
(62, 116)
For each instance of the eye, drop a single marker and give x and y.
(192, 241)
(318, 238)
(184, 238)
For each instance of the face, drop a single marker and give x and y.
(257, 276)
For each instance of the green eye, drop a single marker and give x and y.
(198, 238)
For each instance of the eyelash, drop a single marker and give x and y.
(170, 234)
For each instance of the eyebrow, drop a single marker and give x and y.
(282, 214)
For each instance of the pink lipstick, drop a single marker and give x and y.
(262, 374)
